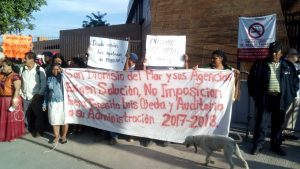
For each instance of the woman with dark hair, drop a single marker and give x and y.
(59, 59)
(56, 59)
(54, 102)
(219, 61)
(11, 112)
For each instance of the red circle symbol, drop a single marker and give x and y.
(256, 30)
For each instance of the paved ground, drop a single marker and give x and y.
(89, 150)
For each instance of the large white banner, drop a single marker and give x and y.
(107, 53)
(255, 35)
(160, 104)
(165, 50)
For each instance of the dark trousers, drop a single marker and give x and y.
(114, 135)
(262, 119)
(34, 116)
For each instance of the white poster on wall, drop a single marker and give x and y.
(165, 50)
(107, 53)
(255, 35)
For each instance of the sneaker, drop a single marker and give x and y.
(112, 141)
(278, 151)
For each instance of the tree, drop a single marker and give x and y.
(15, 15)
(95, 20)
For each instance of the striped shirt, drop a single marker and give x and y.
(274, 85)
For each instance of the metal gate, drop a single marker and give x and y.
(292, 22)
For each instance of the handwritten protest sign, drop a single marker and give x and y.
(141, 103)
(107, 53)
(165, 50)
(15, 46)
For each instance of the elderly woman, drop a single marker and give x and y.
(11, 113)
(54, 102)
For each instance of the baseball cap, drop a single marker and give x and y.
(134, 57)
(275, 46)
(292, 52)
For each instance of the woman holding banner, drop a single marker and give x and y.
(54, 102)
(219, 62)
(11, 113)
(59, 59)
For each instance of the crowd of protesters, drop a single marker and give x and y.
(31, 94)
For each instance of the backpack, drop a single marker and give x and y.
(37, 71)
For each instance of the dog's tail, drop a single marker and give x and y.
(239, 136)
(239, 155)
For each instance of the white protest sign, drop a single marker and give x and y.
(159, 104)
(255, 35)
(107, 53)
(165, 50)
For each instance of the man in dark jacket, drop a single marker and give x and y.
(273, 84)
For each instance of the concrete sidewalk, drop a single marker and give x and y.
(93, 149)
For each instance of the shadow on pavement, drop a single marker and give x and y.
(66, 153)
(92, 136)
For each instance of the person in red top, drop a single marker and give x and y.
(11, 112)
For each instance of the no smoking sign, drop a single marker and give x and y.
(256, 30)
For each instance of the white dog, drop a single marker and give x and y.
(211, 143)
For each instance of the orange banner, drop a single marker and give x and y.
(15, 46)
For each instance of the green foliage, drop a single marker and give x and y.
(95, 20)
(15, 15)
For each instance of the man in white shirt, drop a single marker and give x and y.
(32, 92)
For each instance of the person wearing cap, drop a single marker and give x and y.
(131, 61)
(272, 83)
(292, 111)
